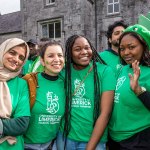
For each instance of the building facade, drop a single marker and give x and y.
(58, 19)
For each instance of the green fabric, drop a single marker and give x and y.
(141, 30)
(46, 112)
(15, 126)
(111, 60)
(129, 116)
(20, 107)
(83, 101)
(36, 66)
(144, 21)
(27, 67)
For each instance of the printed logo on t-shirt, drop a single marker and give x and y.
(52, 108)
(52, 103)
(118, 66)
(120, 82)
(78, 99)
(79, 88)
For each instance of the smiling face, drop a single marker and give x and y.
(81, 53)
(131, 49)
(14, 58)
(53, 60)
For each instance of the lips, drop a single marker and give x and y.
(57, 66)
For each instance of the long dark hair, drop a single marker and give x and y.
(68, 86)
(145, 60)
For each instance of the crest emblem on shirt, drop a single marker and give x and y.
(79, 88)
(120, 82)
(52, 103)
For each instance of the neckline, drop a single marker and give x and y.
(49, 77)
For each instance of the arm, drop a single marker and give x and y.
(145, 99)
(134, 84)
(14, 126)
(102, 121)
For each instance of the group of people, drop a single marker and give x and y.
(84, 100)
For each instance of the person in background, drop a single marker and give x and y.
(14, 96)
(36, 65)
(33, 46)
(89, 97)
(130, 121)
(110, 55)
(49, 105)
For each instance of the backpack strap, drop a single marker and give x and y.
(32, 85)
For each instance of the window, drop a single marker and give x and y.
(49, 2)
(113, 6)
(52, 29)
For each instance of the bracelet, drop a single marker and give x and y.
(143, 89)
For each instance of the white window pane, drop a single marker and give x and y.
(110, 1)
(44, 30)
(110, 8)
(116, 0)
(116, 7)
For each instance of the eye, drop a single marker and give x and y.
(87, 48)
(12, 52)
(77, 49)
(121, 49)
(22, 58)
(131, 47)
(60, 55)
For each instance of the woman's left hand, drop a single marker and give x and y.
(134, 78)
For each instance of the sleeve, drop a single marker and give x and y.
(145, 99)
(14, 126)
(108, 79)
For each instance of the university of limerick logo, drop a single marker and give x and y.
(120, 81)
(52, 103)
(80, 90)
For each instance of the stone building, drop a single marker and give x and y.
(59, 19)
(10, 26)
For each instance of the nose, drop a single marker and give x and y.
(16, 58)
(84, 51)
(56, 58)
(126, 51)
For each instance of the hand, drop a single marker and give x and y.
(134, 78)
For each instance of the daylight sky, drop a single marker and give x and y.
(9, 6)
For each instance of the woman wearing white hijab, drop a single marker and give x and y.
(14, 97)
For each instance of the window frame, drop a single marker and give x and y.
(49, 3)
(113, 5)
(47, 23)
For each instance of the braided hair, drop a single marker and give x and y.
(68, 86)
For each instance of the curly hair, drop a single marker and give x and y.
(111, 29)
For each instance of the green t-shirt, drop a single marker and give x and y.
(20, 107)
(129, 116)
(47, 111)
(112, 60)
(83, 100)
(27, 67)
(36, 66)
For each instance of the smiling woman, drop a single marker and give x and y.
(14, 99)
(49, 105)
(132, 95)
(15, 57)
